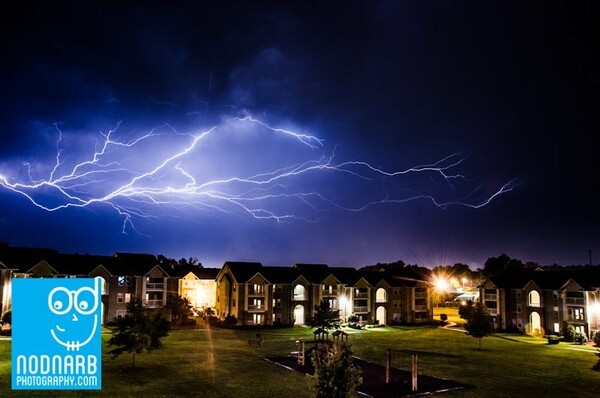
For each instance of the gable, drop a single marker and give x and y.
(531, 285)
(190, 276)
(258, 279)
(157, 272)
(101, 271)
(330, 280)
(42, 269)
(362, 283)
(571, 286)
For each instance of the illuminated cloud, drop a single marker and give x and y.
(240, 167)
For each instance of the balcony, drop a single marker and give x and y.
(155, 286)
(491, 297)
(157, 303)
(420, 308)
(420, 294)
(256, 291)
(574, 301)
(361, 294)
(361, 310)
(300, 297)
(329, 292)
(257, 308)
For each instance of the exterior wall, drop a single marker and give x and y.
(256, 308)
(307, 302)
(574, 308)
(225, 283)
(282, 310)
(5, 290)
(201, 293)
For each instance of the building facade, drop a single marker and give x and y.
(259, 295)
(252, 293)
(543, 302)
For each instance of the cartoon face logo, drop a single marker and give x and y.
(76, 321)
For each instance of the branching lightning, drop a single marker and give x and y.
(164, 171)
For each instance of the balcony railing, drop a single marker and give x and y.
(332, 292)
(574, 301)
(420, 308)
(490, 297)
(155, 286)
(154, 303)
(299, 297)
(421, 294)
(361, 310)
(259, 308)
(361, 295)
(256, 292)
(492, 311)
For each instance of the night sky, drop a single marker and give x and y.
(346, 133)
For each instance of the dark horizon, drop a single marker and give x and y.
(352, 134)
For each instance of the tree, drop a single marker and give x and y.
(325, 317)
(465, 311)
(336, 376)
(497, 265)
(7, 317)
(180, 308)
(138, 331)
(479, 322)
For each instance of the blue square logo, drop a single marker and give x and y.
(56, 342)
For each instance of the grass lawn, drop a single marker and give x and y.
(221, 364)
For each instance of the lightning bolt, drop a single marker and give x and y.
(164, 171)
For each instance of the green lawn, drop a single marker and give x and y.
(221, 364)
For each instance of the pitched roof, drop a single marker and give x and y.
(280, 275)
(586, 277)
(348, 276)
(138, 264)
(243, 271)
(203, 273)
(314, 273)
(23, 258)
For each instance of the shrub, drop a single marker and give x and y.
(336, 376)
(596, 338)
(569, 334)
(596, 366)
(443, 317)
(7, 317)
(580, 338)
(229, 321)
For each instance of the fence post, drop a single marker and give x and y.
(414, 372)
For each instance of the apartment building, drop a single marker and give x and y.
(259, 295)
(123, 276)
(545, 301)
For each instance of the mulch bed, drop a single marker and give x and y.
(374, 379)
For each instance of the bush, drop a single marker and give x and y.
(569, 334)
(596, 366)
(443, 317)
(229, 321)
(336, 376)
(7, 317)
(580, 338)
(596, 338)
